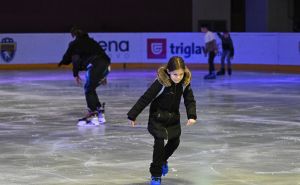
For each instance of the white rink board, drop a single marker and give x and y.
(250, 48)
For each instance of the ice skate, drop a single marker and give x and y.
(165, 169)
(91, 119)
(155, 181)
(210, 76)
(221, 72)
(229, 72)
(101, 115)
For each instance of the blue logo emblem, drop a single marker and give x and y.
(8, 48)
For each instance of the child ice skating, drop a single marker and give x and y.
(173, 82)
(87, 55)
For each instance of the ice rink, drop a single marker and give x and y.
(248, 131)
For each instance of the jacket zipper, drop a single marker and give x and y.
(167, 133)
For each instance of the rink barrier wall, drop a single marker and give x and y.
(153, 66)
(253, 51)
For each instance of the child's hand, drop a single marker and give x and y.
(78, 80)
(103, 81)
(190, 122)
(132, 123)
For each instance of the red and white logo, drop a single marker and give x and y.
(156, 48)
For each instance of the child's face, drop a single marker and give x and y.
(176, 75)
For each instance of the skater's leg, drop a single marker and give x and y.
(211, 64)
(95, 73)
(170, 148)
(92, 101)
(222, 70)
(158, 157)
(229, 63)
(223, 59)
(90, 90)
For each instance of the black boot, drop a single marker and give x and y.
(221, 72)
(229, 72)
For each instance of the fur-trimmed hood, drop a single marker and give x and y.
(164, 78)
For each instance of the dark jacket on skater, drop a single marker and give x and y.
(227, 43)
(165, 97)
(83, 51)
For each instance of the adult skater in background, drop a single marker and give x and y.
(87, 55)
(227, 52)
(210, 48)
(173, 81)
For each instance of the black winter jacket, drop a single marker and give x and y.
(164, 116)
(82, 52)
(227, 44)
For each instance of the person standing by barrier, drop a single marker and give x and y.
(227, 52)
(210, 48)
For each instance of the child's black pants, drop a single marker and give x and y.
(161, 154)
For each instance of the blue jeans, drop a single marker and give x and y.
(225, 55)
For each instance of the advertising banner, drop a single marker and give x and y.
(250, 48)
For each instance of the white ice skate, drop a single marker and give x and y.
(101, 117)
(90, 120)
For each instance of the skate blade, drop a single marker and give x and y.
(87, 124)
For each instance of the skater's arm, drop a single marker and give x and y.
(132, 123)
(191, 122)
(190, 103)
(211, 46)
(220, 35)
(76, 65)
(67, 57)
(144, 100)
(78, 80)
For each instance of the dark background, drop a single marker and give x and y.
(55, 16)
(96, 15)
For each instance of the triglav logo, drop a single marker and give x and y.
(8, 49)
(156, 48)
